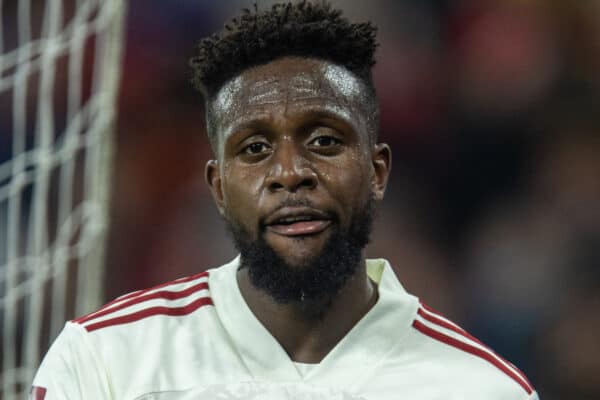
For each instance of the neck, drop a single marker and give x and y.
(308, 330)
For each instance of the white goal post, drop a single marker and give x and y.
(60, 64)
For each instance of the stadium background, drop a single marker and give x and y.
(493, 209)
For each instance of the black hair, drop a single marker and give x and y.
(302, 29)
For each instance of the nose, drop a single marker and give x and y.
(290, 171)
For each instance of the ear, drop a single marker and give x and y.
(381, 158)
(212, 174)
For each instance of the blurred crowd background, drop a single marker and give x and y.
(493, 210)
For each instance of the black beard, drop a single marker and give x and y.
(321, 276)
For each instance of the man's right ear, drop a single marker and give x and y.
(212, 175)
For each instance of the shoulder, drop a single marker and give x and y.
(132, 340)
(455, 359)
(177, 298)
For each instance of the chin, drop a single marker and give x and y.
(301, 254)
(300, 247)
(298, 263)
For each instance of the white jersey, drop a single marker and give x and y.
(196, 338)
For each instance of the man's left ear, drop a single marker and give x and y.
(381, 157)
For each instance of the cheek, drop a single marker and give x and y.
(241, 189)
(348, 178)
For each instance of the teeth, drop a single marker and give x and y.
(291, 220)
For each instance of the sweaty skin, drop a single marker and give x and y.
(329, 86)
(296, 129)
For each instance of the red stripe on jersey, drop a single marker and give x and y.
(37, 393)
(438, 320)
(162, 294)
(439, 336)
(141, 292)
(431, 310)
(149, 312)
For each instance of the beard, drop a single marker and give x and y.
(318, 278)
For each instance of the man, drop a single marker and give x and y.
(292, 118)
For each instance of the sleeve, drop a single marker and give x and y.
(71, 370)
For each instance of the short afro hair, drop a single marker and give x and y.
(301, 29)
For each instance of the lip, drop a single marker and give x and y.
(310, 221)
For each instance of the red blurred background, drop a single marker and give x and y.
(493, 209)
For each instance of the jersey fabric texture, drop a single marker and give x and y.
(196, 338)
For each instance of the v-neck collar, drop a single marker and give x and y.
(368, 341)
(263, 355)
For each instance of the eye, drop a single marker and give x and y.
(255, 148)
(325, 141)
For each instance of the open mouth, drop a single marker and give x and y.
(298, 222)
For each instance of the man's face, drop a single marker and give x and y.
(295, 161)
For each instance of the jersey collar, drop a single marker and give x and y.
(380, 330)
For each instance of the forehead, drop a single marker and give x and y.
(290, 85)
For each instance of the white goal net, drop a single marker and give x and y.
(59, 73)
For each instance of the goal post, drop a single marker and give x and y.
(60, 64)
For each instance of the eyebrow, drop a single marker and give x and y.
(251, 123)
(260, 122)
(325, 114)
